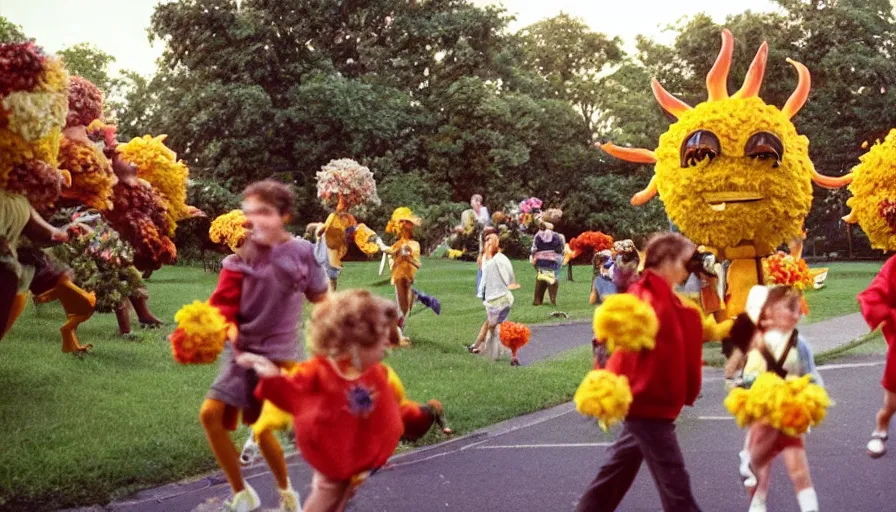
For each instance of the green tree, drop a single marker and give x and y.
(134, 106)
(10, 32)
(572, 60)
(88, 61)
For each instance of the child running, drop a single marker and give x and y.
(348, 407)
(261, 290)
(495, 291)
(775, 348)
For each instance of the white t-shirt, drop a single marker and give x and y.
(497, 275)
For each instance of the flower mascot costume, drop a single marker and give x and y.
(33, 109)
(548, 254)
(105, 258)
(344, 185)
(874, 209)
(405, 255)
(732, 172)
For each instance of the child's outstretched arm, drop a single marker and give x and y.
(264, 367)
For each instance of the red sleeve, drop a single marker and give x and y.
(226, 296)
(286, 391)
(878, 301)
(693, 331)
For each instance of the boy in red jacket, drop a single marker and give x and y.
(662, 380)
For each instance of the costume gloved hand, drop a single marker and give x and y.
(381, 244)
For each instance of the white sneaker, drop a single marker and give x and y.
(757, 504)
(289, 500)
(877, 447)
(246, 500)
(250, 453)
(745, 472)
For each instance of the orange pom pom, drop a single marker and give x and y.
(514, 336)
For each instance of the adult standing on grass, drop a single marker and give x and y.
(495, 291)
(479, 219)
(663, 380)
(269, 280)
(547, 258)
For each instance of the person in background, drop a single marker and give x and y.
(547, 257)
(479, 219)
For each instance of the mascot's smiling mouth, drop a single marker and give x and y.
(717, 201)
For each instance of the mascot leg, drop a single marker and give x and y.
(15, 308)
(78, 306)
(540, 288)
(123, 315)
(147, 319)
(552, 292)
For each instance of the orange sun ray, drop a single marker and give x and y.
(717, 78)
(645, 195)
(831, 182)
(798, 98)
(851, 218)
(670, 103)
(635, 155)
(753, 80)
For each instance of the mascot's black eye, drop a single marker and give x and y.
(699, 145)
(765, 146)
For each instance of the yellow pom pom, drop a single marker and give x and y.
(229, 229)
(605, 396)
(626, 322)
(200, 334)
(790, 406)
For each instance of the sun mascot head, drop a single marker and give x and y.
(874, 194)
(733, 169)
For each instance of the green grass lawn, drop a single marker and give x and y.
(79, 431)
(844, 282)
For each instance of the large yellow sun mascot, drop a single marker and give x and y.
(732, 172)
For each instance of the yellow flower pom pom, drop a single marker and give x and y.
(229, 229)
(453, 254)
(626, 322)
(605, 396)
(200, 334)
(790, 406)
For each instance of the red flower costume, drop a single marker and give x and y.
(878, 303)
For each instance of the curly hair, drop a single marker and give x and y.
(351, 318)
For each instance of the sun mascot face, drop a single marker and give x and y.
(733, 169)
(874, 194)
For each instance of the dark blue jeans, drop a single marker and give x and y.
(642, 440)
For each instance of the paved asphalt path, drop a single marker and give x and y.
(543, 462)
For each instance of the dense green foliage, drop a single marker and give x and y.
(441, 100)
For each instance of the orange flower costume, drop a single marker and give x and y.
(405, 255)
